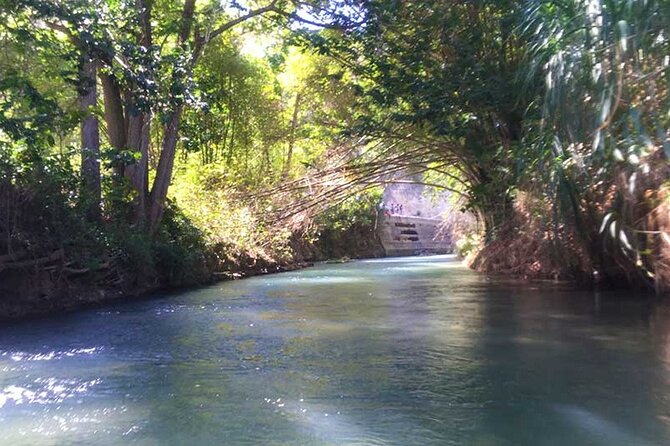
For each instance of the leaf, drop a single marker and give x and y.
(613, 229)
(631, 182)
(623, 238)
(606, 221)
(606, 105)
(623, 35)
(596, 140)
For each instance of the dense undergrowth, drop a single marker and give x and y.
(57, 257)
(52, 247)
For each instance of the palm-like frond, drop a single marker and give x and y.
(607, 70)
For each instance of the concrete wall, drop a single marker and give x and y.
(403, 235)
(417, 200)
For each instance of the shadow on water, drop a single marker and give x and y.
(390, 351)
(572, 368)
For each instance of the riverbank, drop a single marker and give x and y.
(51, 285)
(28, 298)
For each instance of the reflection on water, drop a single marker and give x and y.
(391, 351)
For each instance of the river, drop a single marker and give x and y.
(396, 351)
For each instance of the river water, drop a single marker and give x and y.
(395, 351)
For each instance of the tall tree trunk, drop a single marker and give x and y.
(139, 133)
(161, 183)
(139, 125)
(90, 140)
(128, 125)
(231, 143)
(163, 177)
(116, 126)
(292, 136)
(164, 171)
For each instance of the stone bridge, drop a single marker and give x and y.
(406, 236)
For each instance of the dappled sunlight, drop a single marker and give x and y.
(67, 423)
(44, 391)
(442, 259)
(326, 423)
(417, 267)
(19, 356)
(297, 282)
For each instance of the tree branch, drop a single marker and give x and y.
(65, 30)
(272, 7)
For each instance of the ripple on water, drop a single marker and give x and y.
(19, 356)
(393, 351)
(45, 391)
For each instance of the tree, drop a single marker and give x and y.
(443, 79)
(142, 81)
(604, 139)
(90, 137)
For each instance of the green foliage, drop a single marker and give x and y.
(179, 250)
(204, 194)
(564, 103)
(444, 79)
(604, 134)
(347, 230)
(37, 85)
(42, 212)
(243, 129)
(240, 117)
(359, 210)
(468, 245)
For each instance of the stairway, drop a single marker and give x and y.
(404, 236)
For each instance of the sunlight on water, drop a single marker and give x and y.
(48, 356)
(45, 391)
(379, 352)
(443, 260)
(323, 280)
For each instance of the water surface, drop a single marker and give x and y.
(382, 352)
